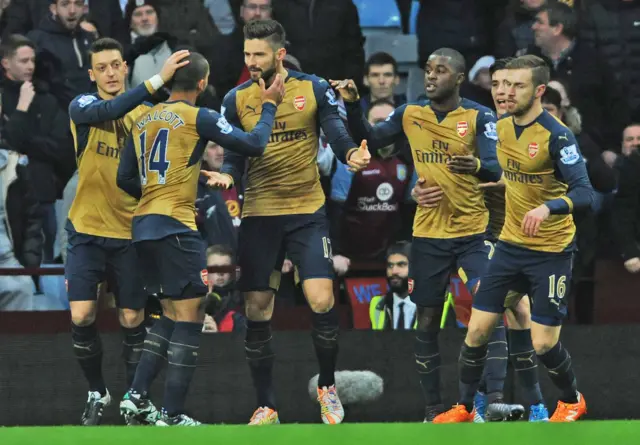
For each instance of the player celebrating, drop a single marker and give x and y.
(284, 210)
(161, 167)
(543, 168)
(453, 146)
(99, 223)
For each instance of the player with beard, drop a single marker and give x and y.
(544, 169)
(395, 310)
(452, 143)
(284, 210)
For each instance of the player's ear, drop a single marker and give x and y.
(53, 9)
(5, 64)
(126, 68)
(540, 89)
(280, 53)
(396, 80)
(91, 76)
(365, 81)
(460, 79)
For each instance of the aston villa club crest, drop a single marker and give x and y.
(533, 150)
(410, 285)
(463, 128)
(299, 102)
(204, 276)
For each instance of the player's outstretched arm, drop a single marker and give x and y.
(569, 163)
(90, 109)
(128, 178)
(378, 136)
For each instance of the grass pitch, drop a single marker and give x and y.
(520, 433)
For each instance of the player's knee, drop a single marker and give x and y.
(83, 316)
(479, 331)
(543, 345)
(321, 305)
(259, 305)
(131, 318)
(429, 319)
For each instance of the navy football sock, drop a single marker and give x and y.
(325, 340)
(525, 363)
(260, 357)
(495, 369)
(183, 357)
(154, 355)
(470, 364)
(558, 363)
(87, 348)
(427, 358)
(132, 345)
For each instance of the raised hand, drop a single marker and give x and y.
(347, 89)
(359, 158)
(175, 61)
(275, 93)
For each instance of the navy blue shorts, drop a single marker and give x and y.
(263, 242)
(174, 267)
(92, 260)
(434, 260)
(544, 276)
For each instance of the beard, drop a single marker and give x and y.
(398, 285)
(524, 109)
(269, 72)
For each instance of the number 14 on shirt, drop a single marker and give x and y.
(157, 158)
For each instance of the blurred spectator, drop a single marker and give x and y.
(62, 47)
(515, 33)
(625, 217)
(325, 36)
(395, 310)
(223, 304)
(231, 48)
(221, 14)
(89, 25)
(630, 143)
(381, 77)
(613, 27)
(366, 208)
(601, 175)
(218, 211)
(23, 16)
(34, 125)
(4, 4)
(589, 78)
(461, 24)
(20, 232)
(477, 86)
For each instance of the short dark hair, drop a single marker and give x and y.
(187, 77)
(106, 44)
(381, 58)
(378, 102)
(499, 65)
(13, 43)
(270, 30)
(562, 14)
(553, 97)
(540, 72)
(220, 249)
(400, 248)
(456, 59)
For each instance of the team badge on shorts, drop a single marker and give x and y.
(204, 276)
(299, 102)
(410, 285)
(533, 149)
(462, 127)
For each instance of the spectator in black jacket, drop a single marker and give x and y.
(33, 124)
(591, 82)
(62, 48)
(20, 232)
(23, 16)
(324, 35)
(626, 212)
(613, 27)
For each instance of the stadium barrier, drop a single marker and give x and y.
(41, 383)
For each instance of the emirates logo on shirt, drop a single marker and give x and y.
(410, 285)
(299, 102)
(204, 276)
(533, 150)
(462, 127)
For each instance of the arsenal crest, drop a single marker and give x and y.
(299, 102)
(204, 276)
(533, 150)
(410, 285)
(462, 128)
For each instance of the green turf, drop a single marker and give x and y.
(520, 433)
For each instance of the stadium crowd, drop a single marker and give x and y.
(591, 46)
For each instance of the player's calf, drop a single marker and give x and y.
(525, 362)
(427, 359)
(133, 342)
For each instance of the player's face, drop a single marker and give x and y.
(499, 91)
(108, 71)
(68, 12)
(440, 79)
(630, 139)
(381, 80)
(521, 92)
(214, 156)
(255, 10)
(144, 20)
(21, 65)
(261, 59)
(219, 279)
(398, 272)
